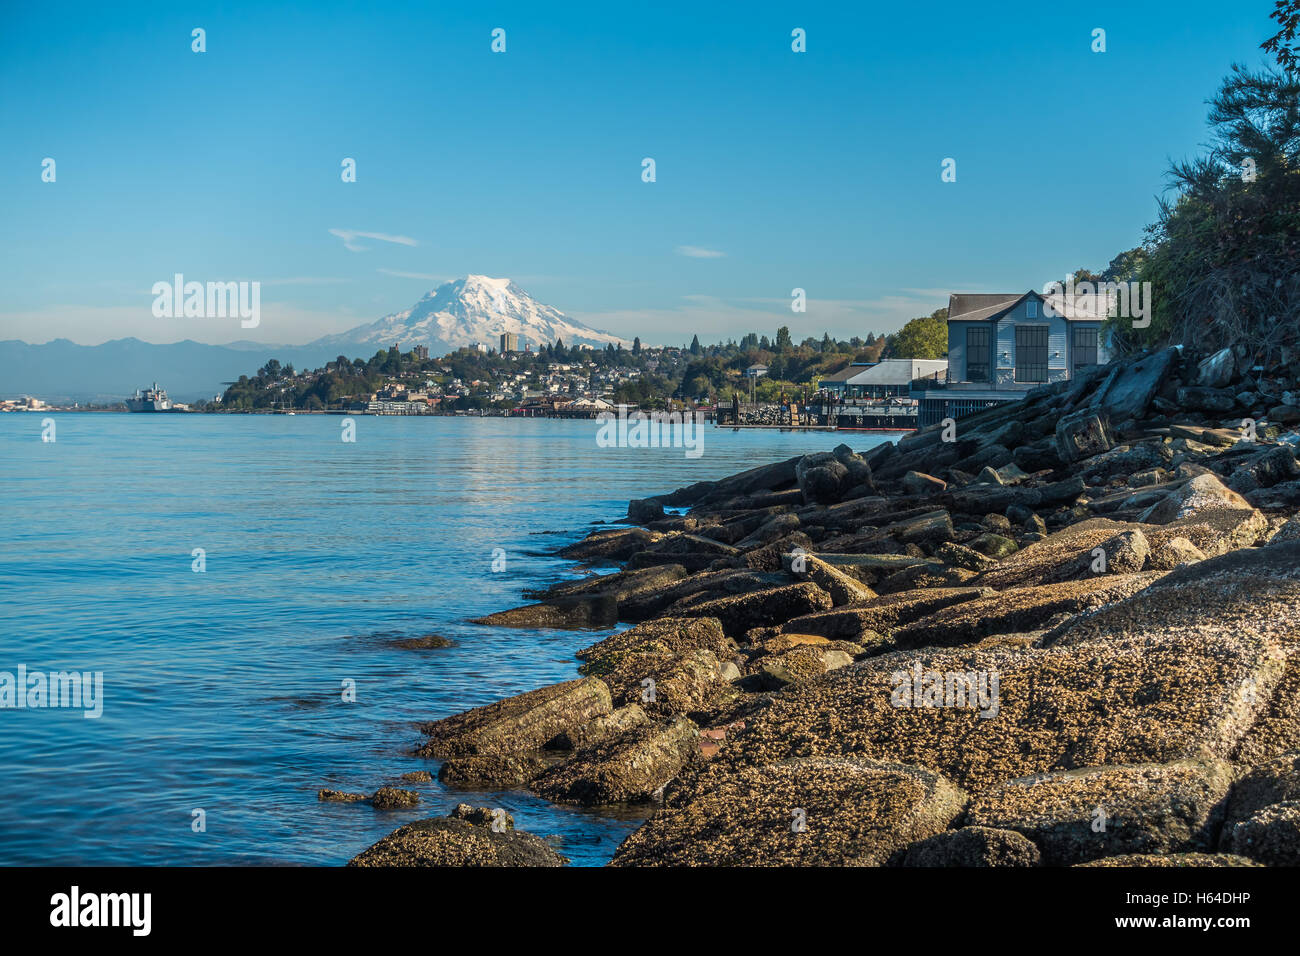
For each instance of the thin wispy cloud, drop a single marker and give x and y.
(350, 237)
(699, 252)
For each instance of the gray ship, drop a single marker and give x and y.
(149, 400)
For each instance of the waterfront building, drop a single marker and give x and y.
(1002, 345)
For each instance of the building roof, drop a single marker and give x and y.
(897, 371)
(983, 307)
(1085, 308)
(973, 306)
(853, 368)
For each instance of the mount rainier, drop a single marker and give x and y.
(470, 310)
(475, 309)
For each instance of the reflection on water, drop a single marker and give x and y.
(326, 563)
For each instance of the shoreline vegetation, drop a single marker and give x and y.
(1066, 633)
(470, 382)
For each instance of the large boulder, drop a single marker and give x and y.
(684, 543)
(1270, 835)
(1264, 469)
(568, 613)
(1214, 531)
(708, 583)
(778, 526)
(1174, 552)
(665, 684)
(1202, 399)
(492, 771)
(1254, 592)
(517, 724)
(768, 607)
(859, 469)
(1065, 555)
(394, 798)
(614, 545)
(644, 510)
(1217, 370)
(882, 615)
(987, 499)
(931, 527)
(1289, 531)
(919, 483)
(622, 585)
(960, 556)
(668, 666)
(820, 812)
(763, 478)
(801, 663)
(1068, 554)
(829, 477)
(929, 575)
(1129, 387)
(973, 847)
(461, 839)
(1145, 680)
(1202, 493)
(1079, 815)
(1147, 459)
(823, 478)
(624, 767)
(665, 635)
(1273, 781)
(1018, 609)
(843, 588)
(584, 735)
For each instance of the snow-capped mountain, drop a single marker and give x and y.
(475, 309)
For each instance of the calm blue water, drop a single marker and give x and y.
(223, 689)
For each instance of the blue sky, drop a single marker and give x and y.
(818, 170)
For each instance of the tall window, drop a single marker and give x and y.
(977, 353)
(1031, 308)
(1031, 353)
(1084, 347)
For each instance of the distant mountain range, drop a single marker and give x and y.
(472, 310)
(469, 311)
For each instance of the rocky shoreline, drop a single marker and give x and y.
(1060, 632)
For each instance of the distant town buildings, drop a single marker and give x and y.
(509, 342)
(25, 404)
